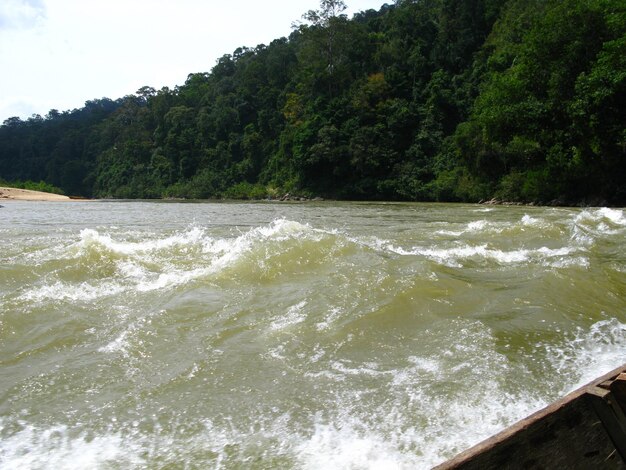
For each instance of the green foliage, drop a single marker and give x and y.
(247, 191)
(432, 100)
(549, 120)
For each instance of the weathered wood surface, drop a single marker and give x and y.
(584, 430)
(618, 387)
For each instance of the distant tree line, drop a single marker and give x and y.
(423, 100)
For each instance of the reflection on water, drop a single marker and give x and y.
(331, 335)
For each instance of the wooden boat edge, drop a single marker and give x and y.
(512, 431)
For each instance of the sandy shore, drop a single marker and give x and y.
(26, 195)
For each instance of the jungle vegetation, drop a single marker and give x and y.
(423, 100)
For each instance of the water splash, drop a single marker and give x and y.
(340, 337)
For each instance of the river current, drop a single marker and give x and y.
(294, 336)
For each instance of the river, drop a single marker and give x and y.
(294, 335)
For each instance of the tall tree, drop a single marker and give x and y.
(326, 23)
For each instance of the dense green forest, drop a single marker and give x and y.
(423, 100)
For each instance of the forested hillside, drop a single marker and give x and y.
(446, 100)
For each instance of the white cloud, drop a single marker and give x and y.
(21, 13)
(65, 52)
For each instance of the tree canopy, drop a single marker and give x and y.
(429, 100)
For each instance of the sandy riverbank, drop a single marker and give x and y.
(27, 195)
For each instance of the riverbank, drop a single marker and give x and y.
(28, 195)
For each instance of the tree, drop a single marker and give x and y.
(326, 23)
(421, 100)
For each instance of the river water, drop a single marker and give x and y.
(283, 335)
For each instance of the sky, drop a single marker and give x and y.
(57, 54)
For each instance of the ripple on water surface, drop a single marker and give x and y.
(295, 336)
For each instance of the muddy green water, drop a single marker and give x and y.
(314, 336)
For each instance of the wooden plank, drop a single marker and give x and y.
(611, 415)
(618, 388)
(606, 384)
(565, 434)
(571, 437)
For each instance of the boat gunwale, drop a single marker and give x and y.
(523, 424)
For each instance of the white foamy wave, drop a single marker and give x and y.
(576, 261)
(471, 228)
(529, 221)
(414, 416)
(590, 353)
(421, 364)
(278, 230)
(132, 270)
(477, 225)
(463, 416)
(329, 319)
(171, 279)
(371, 242)
(62, 291)
(442, 427)
(368, 369)
(127, 341)
(591, 224)
(454, 257)
(281, 229)
(227, 252)
(118, 344)
(616, 216)
(58, 251)
(143, 266)
(149, 265)
(56, 447)
(90, 237)
(293, 316)
(344, 447)
(450, 233)
(61, 447)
